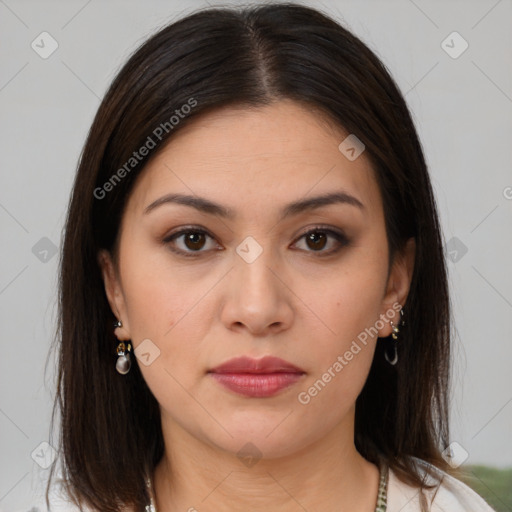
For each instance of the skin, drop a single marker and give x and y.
(291, 302)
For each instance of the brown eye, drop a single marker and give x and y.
(194, 240)
(323, 241)
(190, 242)
(316, 240)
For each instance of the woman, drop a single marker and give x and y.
(254, 311)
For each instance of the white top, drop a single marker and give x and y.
(451, 495)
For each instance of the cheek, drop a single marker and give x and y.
(157, 294)
(161, 309)
(149, 302)
(348, 299)
(168, 306)
(346, 309)
(341, 361)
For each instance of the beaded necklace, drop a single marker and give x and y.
(381, 496)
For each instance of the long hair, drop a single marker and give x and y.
(110, 431)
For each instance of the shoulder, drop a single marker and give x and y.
(59, 502)
(450, 494)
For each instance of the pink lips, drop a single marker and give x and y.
(256, 377)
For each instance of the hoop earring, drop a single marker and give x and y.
(123, 363)
(392, 358)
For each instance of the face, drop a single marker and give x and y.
(255, 265)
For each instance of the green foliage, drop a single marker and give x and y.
(493, 484)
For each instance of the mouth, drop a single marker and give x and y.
(258, 378)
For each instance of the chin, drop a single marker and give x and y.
(255, 438)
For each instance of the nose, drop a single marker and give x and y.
(257, 298)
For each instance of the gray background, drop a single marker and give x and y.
(462, 107)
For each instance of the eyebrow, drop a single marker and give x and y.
(206, 206)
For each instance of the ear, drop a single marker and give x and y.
(114, 293)
(398, 285)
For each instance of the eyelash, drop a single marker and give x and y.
(342, 240)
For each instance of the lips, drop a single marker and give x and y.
(257, 378)
(267, 364)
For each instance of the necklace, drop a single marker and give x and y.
(381, 496)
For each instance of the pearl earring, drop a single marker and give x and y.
(393, 358)
(123, 363)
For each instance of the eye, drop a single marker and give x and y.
(189, 241)
(317, 239)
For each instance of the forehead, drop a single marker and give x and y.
(254, 158)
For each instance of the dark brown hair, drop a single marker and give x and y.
(252, 56)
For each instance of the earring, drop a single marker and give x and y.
(393, 358)
(123, 363)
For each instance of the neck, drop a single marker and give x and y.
(327, 475)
